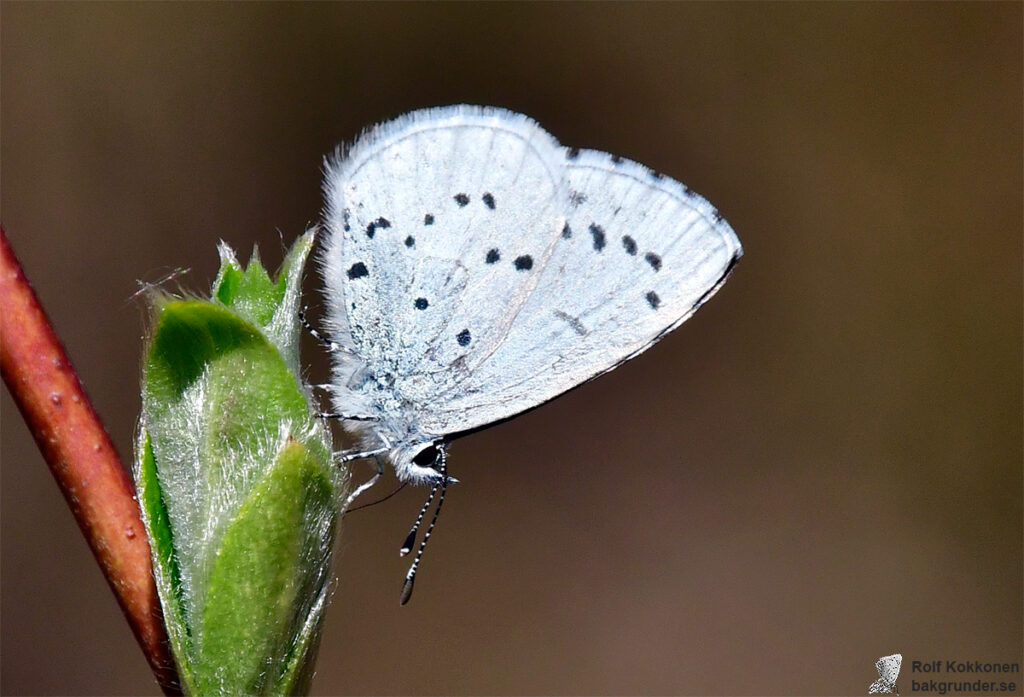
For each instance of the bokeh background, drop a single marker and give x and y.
(820, 468)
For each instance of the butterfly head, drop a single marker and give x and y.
(422, 463)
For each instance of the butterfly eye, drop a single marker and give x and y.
(426, 457)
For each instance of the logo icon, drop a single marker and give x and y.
(888, 670)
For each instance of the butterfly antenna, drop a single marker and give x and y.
(410, 539)
(410, 577)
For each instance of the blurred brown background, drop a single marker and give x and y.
(822, 467)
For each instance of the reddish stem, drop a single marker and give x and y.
(82, 459)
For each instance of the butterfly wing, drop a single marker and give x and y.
(479, 269)
(889, 668)
(637, 255)
(423, 238)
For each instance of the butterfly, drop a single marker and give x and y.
(474, 268)
(888, 668)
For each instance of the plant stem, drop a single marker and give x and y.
(82, 459)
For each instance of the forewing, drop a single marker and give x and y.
(423, 238)
(638, 255)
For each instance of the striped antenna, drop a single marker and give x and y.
(410, 539)
(410, 577)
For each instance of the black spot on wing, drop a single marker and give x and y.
(489, 200)
(654, 260)
(461, 199)
(378, 224)
(345, 215)
(653, 300)
(357, 270)
(523, 263)
(577, 198)
(572, 153)
(463, 337)
(616, 160)
(493, 255)
(410, 241)
(629, 244)
(656, 175)
(428, 219)
(566, 231)
(421, 304)
(597, 232)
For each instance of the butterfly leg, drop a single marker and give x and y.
(346, 456)
(345, 417)
(331, 346)
(365, 485)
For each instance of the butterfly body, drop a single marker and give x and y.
(475, 268)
